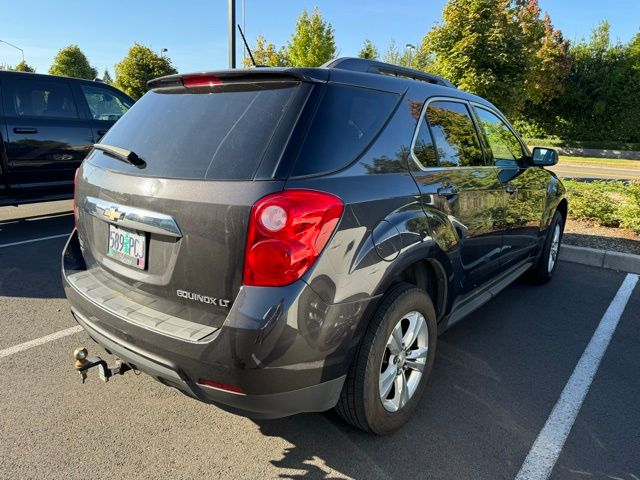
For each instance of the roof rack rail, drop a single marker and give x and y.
(374, 66)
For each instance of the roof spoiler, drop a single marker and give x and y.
(261, 74)
(382, 68)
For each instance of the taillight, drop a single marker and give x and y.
(193, 81)
(75, 201)
(287, 232)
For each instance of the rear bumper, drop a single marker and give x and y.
(285, 348)
(315, 398)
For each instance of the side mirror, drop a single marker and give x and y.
(544, 157)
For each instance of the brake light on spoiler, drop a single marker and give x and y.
(195, 81)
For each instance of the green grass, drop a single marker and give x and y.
(551, 142)
(609, 203)
(602, 162)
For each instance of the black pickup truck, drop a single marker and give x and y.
(48, 124)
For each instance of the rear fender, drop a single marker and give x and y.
(405, 237)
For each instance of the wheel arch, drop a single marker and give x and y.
(425, 272)
(563, 208)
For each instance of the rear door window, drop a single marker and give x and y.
(43, 98)
(347, 120)
(221, 133)
(454, 134)
(423, 149)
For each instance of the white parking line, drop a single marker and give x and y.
(33, 240)
(40, 341)
(546, 449)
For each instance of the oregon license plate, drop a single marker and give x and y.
(126, 246)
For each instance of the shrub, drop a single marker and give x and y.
(610, 203)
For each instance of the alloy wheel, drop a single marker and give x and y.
(404, 361)
(554, 249)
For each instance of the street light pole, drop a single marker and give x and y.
(232, 33)
(14, 46)
(244, 29)
(410, 48)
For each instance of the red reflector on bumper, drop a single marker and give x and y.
(222, 386)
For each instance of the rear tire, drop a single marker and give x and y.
(542, 271)
(390, 370)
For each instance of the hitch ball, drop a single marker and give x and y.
(80, 354)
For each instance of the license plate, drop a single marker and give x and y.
(126, 246)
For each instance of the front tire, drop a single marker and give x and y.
(388, 375)
(543, 270)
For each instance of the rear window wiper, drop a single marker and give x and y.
(121, 154)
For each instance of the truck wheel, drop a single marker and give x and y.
(542, 271)
(388, 375)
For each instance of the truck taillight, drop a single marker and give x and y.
(75, 201)
(287, 232)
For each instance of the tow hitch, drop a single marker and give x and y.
(83, 364)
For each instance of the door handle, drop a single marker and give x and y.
(102, 132)
(448, 191)
(25, 130)
(511, 189)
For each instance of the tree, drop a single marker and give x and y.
(392, 55)
(23, 66)
(602, 91)
(265, 53)
(546, 52)
(422, 59)
(139, 66)
(369, 51)
(411, 57)
(500, 49)
(551, 65)
(106, 77)
(71, 62)
(313, 42)
(478, 48)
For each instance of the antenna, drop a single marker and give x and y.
(246, 45)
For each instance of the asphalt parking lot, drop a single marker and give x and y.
(497, 377)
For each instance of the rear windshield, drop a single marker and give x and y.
(345, 123)
(219, 134)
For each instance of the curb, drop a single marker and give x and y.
(623, 262)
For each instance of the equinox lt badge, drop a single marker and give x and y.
(218, 302)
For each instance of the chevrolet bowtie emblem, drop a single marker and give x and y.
(113, 214)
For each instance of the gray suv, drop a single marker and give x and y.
(277, 241)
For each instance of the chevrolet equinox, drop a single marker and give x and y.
(285, 240)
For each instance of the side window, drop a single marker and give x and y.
(347, 120)
(103, 104)
(504, 146)
(423, 148)
(42, 98)
(454, 134)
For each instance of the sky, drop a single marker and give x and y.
(195, 31)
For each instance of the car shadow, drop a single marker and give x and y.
(34, 226)
(447, 438)
(496, 377)
(32, 270)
